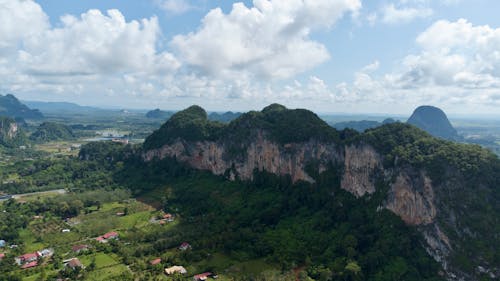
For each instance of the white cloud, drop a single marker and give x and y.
(89, 54)
(394, 15)
(455, 54)
(269, 40)
(96, 44)
(19, 20)
(175, 6)
(457, 64)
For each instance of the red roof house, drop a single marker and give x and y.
(30, 265)
(26, 258)
(202, 276)
(107, 236)
(74, 263)
(155, 261)
(184, 246)
(110, 235)
(79, 248)
(2, 255)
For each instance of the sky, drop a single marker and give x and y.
(329, 56)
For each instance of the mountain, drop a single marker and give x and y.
(50, 131)
(447, 192)
(159, 114)
(10, 106)
(225, 117)
(434, 121)
(10, 133)
(61, 107)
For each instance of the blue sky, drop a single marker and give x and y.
(330, 56)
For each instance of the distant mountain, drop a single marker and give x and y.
(50, 131)
(60, 107)
(10, 106)
(362, 125)
(10, 133)
(434, 121)
(224, 117)
(159, 114)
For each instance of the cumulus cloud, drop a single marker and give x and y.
(20, 20)
(456, 63)
(175, 6)
(269, 40)
(91, 53)
(394, 15)
(96, 44)
(455, 54)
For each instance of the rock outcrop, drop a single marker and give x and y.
(412, 198)
(360, 167)
(261, 154)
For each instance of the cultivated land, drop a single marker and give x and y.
(134, 221)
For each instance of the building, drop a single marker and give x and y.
(168, 217)
(110, 235)
(26, 258)
(155, 261)
(175, 269)
(79, 248)
(45, 253)
(2, 256)
(184, 246)
(29, 265)
(202, 276)
(74, 263)
(2, 243)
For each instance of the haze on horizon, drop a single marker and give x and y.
(348, 56)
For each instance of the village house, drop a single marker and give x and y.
(80, 248)
(46, 253)
(175, 269)
(155, 261)
(74, 263)
(2, 256)
(202, 276)
(2, 243)
(184, 246)
(168, 217)
(26, 258)
(29, 265)
(110, 235)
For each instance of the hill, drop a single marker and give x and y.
(438, 188)
(434, 121)
(159, 114)
(50, 131)
(10, 106)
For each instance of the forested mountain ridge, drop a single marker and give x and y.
(448, 191)
(10, 106)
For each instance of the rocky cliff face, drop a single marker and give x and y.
(261, 154)
(411, 196)
(9, 130)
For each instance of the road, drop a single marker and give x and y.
(19, 196)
